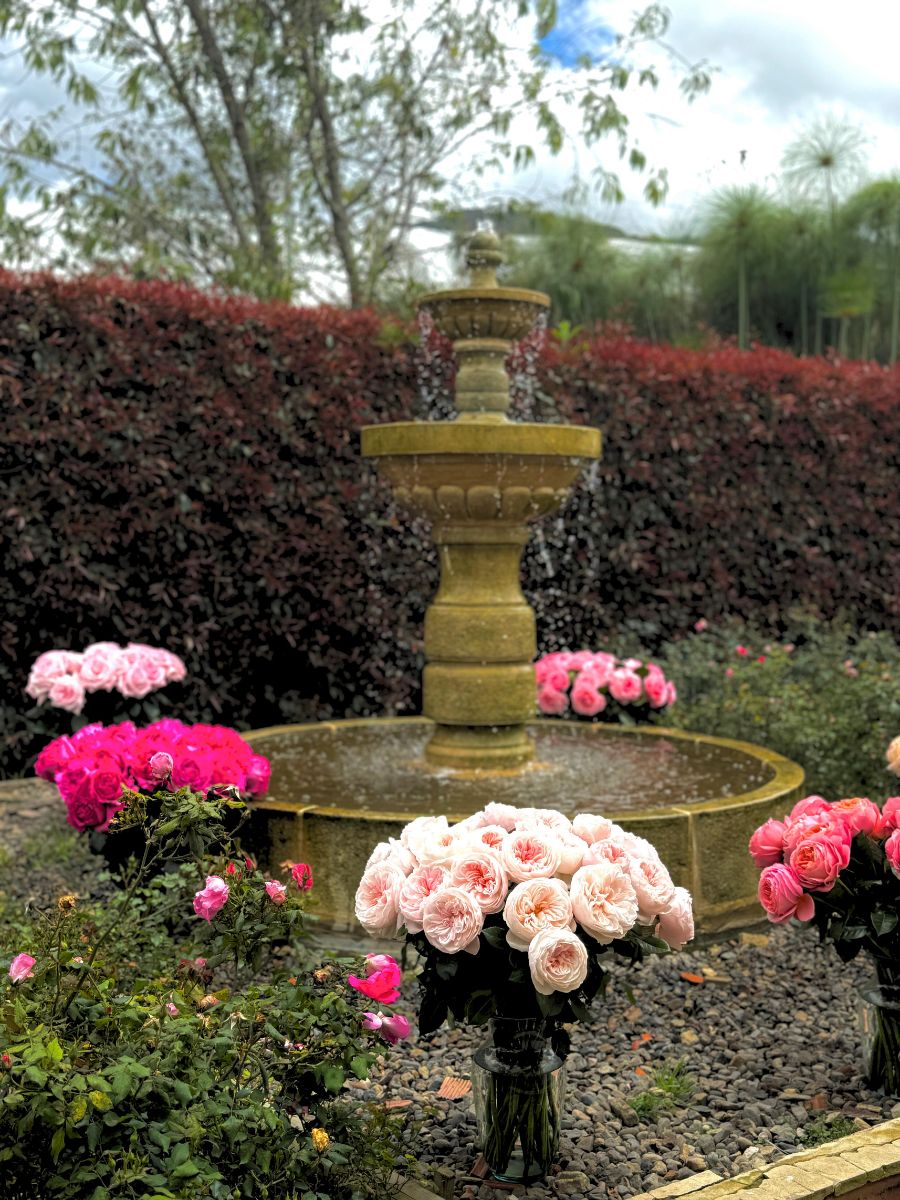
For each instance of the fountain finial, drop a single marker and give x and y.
(484, 256)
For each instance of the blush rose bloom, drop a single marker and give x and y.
(656, 689)
(604, 901)
(452, 921)
(417, 887)
(587, 700)
(653, 887)
(67, 693)
(767, 843)
(212, 898)
(552, 701)
(625, 686)
(892, 852)
(782, 896)
(377, 904)
(100, 666)
(530, 854)
(21, 967)
(536, 905)
(504, 815)
(490, 836)
(47, 668)
(818, 862)
(276, 891)
(893, 756)
(422, 832)
(558, 961)
(676, 925)
(591, 827)
(481, 874)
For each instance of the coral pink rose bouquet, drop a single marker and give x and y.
(598, 686)
(837, 866)
(514, 912)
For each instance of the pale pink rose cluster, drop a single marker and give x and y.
(587, 680)
(65, 679)
(550, 883)
(805, 853)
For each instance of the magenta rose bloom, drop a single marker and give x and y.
(83, 810)
(53, 758)
(782, 896)
(212, 898)
(382, 982)
(193, 769)
(259, 773)
(767, 843)
(302, 875)
(818, 862)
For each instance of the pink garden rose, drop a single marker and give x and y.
(671, 693)
(591, 827)
(657, 690)
(558, 961)
(417, 887)
(452, 920)
(827, 824)
(67, 693)
(47, 668)
(809, 806)
(818, 861)
(383, 979)
(21, 967)
(100, 666)
(767, 843)
(139, 674)
(504, 815)
(782, 896)
(861, 815)
(587, 701)
(302, 875)
(892, 852)
(490, 836)
(652, 885)
(890, 814)
(551, 701)
(535, 905)
(377, 904)
(194, 767)
(481, 874)
(276, 891)
(391, 1028)
(160, 765)
(530, 854)
(604, 901)
(212, 898)
(625, 686)
(676, 924)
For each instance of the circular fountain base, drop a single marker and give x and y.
(340, 787)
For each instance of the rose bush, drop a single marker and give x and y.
(151, 1045)
(513, 911)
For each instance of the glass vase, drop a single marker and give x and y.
(518, 1086)
(880, 1019)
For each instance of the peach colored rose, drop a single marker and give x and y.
(418, 886)
(591, 827)
(452, 920)
(893, 756)
(826, 824)
(536, 905)
(604, 901)
(767, 843)
(481, 874)
(676, 924)
(530, 854)
(377, 904)
(558, 961)
(861, 815)
(818, 862)
(67, 693)
(782, 896)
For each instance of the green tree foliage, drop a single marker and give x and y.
(264, 145)
(872, 217)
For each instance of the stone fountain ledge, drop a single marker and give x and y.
(771, 1038)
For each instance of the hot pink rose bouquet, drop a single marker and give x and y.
(514, 909)
(837, 866)
(91, 766)
(597, 685)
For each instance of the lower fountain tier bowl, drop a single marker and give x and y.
(338, 788)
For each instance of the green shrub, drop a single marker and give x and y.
(152, 1055)
(827, 697)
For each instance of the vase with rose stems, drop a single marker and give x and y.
(516, 914)
(837, 866)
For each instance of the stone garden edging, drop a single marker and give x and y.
(864, 1165)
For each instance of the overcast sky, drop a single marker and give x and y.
(781, 64)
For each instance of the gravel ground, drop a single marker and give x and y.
(770, 1040)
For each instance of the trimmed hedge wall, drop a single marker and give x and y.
(183, 469)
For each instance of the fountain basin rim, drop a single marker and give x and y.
(787, 778)
(484, 438)
(493, 294)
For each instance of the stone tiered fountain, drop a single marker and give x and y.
(339, 787)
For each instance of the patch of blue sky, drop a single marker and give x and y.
(578, 32)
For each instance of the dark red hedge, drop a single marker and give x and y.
(184, 469)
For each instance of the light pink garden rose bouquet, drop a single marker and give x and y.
(64, 679)
(514, 909)
(594, 685)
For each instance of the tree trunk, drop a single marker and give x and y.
(819, 323)
(843, 336)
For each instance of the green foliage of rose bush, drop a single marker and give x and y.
(148, 1053)
(826, 696)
